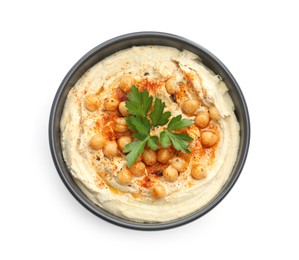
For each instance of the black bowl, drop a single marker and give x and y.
(126, 41)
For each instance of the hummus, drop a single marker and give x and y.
(175, 77)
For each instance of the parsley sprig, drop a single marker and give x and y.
(157, 116)
(179, 141)
(139, 104)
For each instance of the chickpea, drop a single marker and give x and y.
(171, 86)
(214, 113)
(91, 102)
(139, 158)
(158, 191)
(123, 109)
(202, 119)
(179, 164)
(97, 142)
(120, 128)
(124, 177)
(121, 121)
(170, 174)
(126, 83)
(111, 104)
(190, 106)
(208, 139)
(149, 157)
(137, 169)
(110, 149)
(121, 125)
(163, 155)
(123, 141)
(198, 172)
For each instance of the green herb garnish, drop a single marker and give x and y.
(157, 116)
(139, 104)
(179, 141)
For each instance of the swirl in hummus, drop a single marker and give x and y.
(165, 184)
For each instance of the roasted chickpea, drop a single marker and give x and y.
(124, 177)
(121, 125)
(158, 191)
(179, 164)
(123, 109)
(137, 169)
(97, 142)
(171, 86)
(163, 155)
(91, 102)
(121, 121)
(198, 172)
(120, 128)
(190, 106)
(149, 157)
(111, 103)
(170, 174)
(126, 83)
(123, 141)
(202, 119)
(208, 138)
(110, 149)
(214, 113)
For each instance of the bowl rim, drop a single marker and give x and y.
(118, 220)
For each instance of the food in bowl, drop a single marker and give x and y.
(149, 133)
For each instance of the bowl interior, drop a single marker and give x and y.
(126, 41)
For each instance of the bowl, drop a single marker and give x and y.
(126, 41)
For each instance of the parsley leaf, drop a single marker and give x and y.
(130, 125)
(180, 142)
(157, 116)
(153, 142)
(164, 139)
(134, 149)
(139, 103)
(177, 123)
(139, 136)
(141, 125)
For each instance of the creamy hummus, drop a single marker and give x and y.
(150, 68)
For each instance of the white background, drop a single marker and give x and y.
(40, 42)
